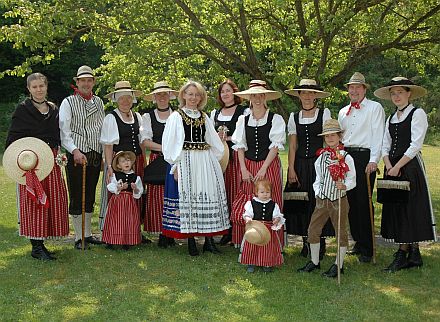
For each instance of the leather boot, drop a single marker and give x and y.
(163, 242)
(171, 242)
(209, 246)
(192, 247)
(48, 253)
(37, 250)
(226, 239)
(414, 257)
(305, 251)
(322, 248)
(399, 262)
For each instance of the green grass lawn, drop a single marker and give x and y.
(151, 284)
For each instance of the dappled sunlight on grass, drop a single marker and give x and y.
(85, 305)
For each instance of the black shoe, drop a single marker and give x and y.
(145, 240)
(38, 252)
(309, 267)
(171, 242)
(93, 240)
(322, 248)
(226, 239)
(163, 242)
(414, 257)
(268, 269)
(126, 247)
(364, 259)
(305, 251)
(355, 250)
(333, 271)
(209, 246)
(48, 253)
(399, 262)
(192, 247)
(109, 246)
(78, 245)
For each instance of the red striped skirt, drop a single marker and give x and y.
(232, 176)
(267, 255)
(122, 225)
(39, 223)
(246, 192)
(154, 205)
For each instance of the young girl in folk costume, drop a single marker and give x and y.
(122, 226)
(333, 163)
(408, 223)
(265, 210)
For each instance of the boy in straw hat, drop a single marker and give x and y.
(332, 160)
(81, 118)
(410, 223)
(154, 124)
(363, 124)
(262, 208)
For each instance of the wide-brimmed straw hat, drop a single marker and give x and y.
(257, 233)
(130, 154)
(258, 87)
(84, 72)
(121, 87)
(357, 78)
(416, 91)
(26, 154)
(308, 85)
(224, 161)
(161, 87)
(331, 126)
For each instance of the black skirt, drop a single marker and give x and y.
(298, 212)
(412, 221)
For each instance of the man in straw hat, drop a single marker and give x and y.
(81, 118)
(414, 221)
(328, 191)
(363, 124)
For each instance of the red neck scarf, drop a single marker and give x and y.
(77, 92)
(356, 105)
(337, 169)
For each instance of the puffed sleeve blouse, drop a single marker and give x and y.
(110, 132)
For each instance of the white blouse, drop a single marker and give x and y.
(291, 125)
(113, 186)
(110, 132)
(419, 126)
(174, 136)
(249, 212)
(226, 118)
(148, 129)
(277, 134)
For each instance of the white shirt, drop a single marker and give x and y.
(419, 126)
(291, 125)
(174, 136)
(249, 212)
(113, 186)
(226, 118)
(364, 127)
(148, 129)
(110, 132)
(277, 134)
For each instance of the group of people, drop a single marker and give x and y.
(220, 174)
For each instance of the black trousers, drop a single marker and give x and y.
(359, 213)
(74, 182)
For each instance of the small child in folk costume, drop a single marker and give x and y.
(122, 223)
(335, 174)
(263, 209)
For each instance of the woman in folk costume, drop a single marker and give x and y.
(257, 139)
(225, 119)
(46, 217)
(122, 130)
(122, 225)
(303, 129)
(154, 125)
(263, 209)
(195, 197)
(412, 222)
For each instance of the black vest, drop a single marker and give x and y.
(400, 136)
(129, 178)
(157, 127)
(231, 125)
(257, 139)
(263, 211)
(128, 135)
(307, 135)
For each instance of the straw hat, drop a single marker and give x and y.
(26, 154)
(258, 87)
(257, 233)
(161, 87)
(330, 126)
(121, 87)
(357, 78)
(225, 157)
(130, 154)
(307, 85)
(84, 72)
(416, 91)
